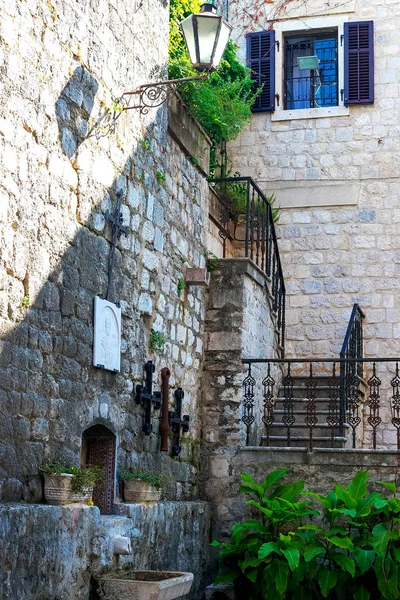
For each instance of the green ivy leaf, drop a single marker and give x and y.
(327, 580)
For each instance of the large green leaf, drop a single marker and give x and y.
(345, 563)
(327, 580)
(358, 487)
(364, 559)
(387, 578)
(250, 561)
(273, 478)
(268, 513)
(281, 571)
(380, 538)
(365, 504)
(250, 484)
(345, 543)
(345, 496)
(360, 592)
(389, 485)
(292, 555)
(227, 576)
(251, 574)
(312, 551)
(266, 549)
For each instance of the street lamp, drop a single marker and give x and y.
(206, 35)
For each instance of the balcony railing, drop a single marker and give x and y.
(246, 219)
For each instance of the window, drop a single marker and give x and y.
(345, 73)
(311, 88)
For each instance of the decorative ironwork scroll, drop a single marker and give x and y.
(248, 403)
(374, 404)
(178, 423)
(147, 398)
(288, 418)
(269, 402)
(333, 418)
(311, 414)
(353, 417)
(395, 404)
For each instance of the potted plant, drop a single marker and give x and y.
(141, 485)
(83, 481)
(57, 483)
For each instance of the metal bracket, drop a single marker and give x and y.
(177, 423)
(147, 398)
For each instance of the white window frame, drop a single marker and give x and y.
(307, 25)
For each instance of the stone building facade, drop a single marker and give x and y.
(63, 64)
(334, 172)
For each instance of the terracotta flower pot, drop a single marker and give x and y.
(144, 585)
(136, 491)
(57, 488)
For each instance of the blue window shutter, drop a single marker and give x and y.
(359, 63)
(261, 61)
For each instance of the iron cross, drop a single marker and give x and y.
(116, 220)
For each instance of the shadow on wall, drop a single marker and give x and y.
(73, 109)
(49, 390)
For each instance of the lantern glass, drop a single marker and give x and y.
(206, 35)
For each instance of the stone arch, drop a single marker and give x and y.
(99, 449)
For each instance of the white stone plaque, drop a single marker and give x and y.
(107, 335)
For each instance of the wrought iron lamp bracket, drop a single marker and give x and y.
(178, 424)
(147, 398)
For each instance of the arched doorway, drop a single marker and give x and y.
(98, 449)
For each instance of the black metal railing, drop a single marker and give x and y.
(286, 406)
(247, 209)
(351, 371)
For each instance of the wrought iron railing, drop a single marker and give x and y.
(246, 217)
(351, 371)
(282, 406)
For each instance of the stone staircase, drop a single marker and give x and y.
(299, 431)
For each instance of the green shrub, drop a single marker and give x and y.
(85, 478)
(157, 341)
(222, 104)
(348, 550)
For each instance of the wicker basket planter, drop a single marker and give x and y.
(144, 585)
(57, 488)
(137, 491)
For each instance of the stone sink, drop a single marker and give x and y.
(143, 585)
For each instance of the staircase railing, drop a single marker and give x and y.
(244, 205)
(351, 371)
(271, 417)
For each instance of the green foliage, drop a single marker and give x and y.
(212, 261)
(83, 477)
(146, 144)
(352, 553)
(235, 192)
(157, 341)
(25, 301)
(222, 104)
(180, 286)
(158, 480)
(160, 177)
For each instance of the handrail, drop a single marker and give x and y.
(356, 310)
(260, 240)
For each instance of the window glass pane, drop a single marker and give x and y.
(311, 88)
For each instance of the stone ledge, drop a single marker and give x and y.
(245, 266)
(323, 456)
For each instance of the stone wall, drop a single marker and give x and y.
(62, 63)
(51, 552)
(336, 179)
(239, 324)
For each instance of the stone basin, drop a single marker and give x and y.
(144, 585)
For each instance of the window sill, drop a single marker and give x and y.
(310, 113)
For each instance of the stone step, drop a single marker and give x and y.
(301, 441)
